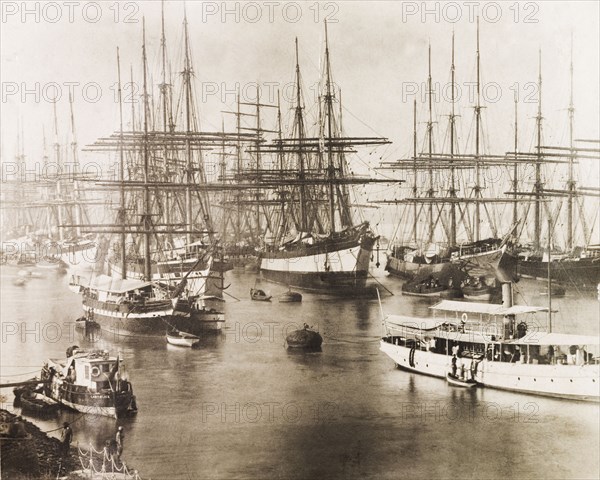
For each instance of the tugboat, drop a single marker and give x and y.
(89, 382)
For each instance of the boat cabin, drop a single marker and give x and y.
(95, 370)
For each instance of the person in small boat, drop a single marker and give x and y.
(66, 437)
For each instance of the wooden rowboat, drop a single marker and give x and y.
(38, 403)
(259, 295)
(182, 339)
(459, 382)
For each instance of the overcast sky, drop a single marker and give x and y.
(379, 57)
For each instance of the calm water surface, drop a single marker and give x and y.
(244, 407)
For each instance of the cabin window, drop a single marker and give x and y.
(87, 372)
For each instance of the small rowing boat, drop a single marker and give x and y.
(259, 295)
(460, 382)
(182, 339)
(38, 403)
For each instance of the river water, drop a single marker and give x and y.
(244, 407)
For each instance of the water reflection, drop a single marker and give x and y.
(342, 412)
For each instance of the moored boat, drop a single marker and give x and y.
(37, 403)
(498, 352)
(460, 382)
(259, 295)
(305, 337)
(89, 382)
(182, 339)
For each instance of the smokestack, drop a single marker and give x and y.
(507, 298)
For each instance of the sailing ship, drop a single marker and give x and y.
(578, 263)
(317, 246)
(157, 283)
(428, 253)
(49, 209)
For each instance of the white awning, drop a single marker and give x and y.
(107, 283)
(543, 338)
(414, 323)
(484, 308)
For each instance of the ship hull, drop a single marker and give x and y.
(584, 272)
(331, 267)
(562, 381)
(409, 270)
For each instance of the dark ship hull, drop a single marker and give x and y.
(570, 271)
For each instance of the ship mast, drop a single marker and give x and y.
(146, 220)
(452, 141)
(571, 181)
(299, 120)
(330, 163)
(78, 213)
(57, 159)
(515, 217)
(538, 163)
(187, 73)
(121, 212)
(415, 173)
(477, 188)
(167, 121)
(430, 149)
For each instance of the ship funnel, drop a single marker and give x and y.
(507, 295)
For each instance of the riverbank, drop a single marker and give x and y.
(27, 452)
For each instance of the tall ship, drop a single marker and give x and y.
(316, 243)
(574, 260)
(438, 223)
(160, 267)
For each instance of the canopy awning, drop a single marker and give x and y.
(543, 338)
(414, 323)
(107, 283)
(484, 308)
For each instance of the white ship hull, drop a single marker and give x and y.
(564, 381)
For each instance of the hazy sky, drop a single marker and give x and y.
(378, 51)
(379, 55)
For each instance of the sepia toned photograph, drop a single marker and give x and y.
(299, 240)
